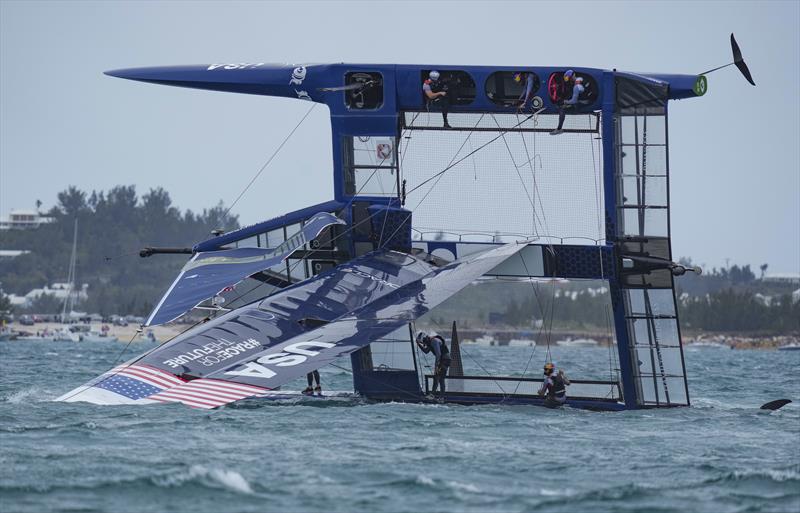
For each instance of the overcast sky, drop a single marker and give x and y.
(734, 153)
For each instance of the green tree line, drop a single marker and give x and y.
(112, 227)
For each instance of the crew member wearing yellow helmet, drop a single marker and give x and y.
(554, 387)
(527, 93)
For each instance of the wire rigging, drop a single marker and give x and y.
(270, 159)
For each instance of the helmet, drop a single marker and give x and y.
(548, 368)
(518, 76)
(434, 75)
(579, 80)
(568, 74)
(421, 336)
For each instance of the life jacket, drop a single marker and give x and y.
(445, 351)
(558, 390)
(558, 88)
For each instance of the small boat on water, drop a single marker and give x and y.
(62, 334)
(87, 333)
(521, 342)
(707, 344)
(577, 342)
(483, 340)
(790, 347)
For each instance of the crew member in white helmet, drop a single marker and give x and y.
(435, 92)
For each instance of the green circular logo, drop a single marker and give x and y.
(700, 85)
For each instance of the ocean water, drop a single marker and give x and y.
(721, 455)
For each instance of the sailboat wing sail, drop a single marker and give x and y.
(207, 273)
(262, 346)
(292, 358)
(233, 338)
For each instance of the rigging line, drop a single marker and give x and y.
(430, 190)
(610, 351)
(516, 168)
(314, 251)
(541, 329)
(370, 378)
(385, 218)
(505, 395)
(595, 173)
(549, 317)
(532, 161)
(479, 148)
(533, 172)
(269, 160)
(349, 203)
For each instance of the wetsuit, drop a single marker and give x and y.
(442, 363)
(526, 94)
(311, 377)
(442, 102)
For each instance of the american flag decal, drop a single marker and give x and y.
(207, 393)
(150, 375)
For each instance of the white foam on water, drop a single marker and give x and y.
(774, 474)
(213, 477)
(425, 480)
(463, 487)
(566, 492)
(229, 479)
(453, 485)
(27, 395)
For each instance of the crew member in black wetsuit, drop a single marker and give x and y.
(435, 93)
(311, 377)
(437, 345)
(554, 387)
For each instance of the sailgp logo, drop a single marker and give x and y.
(291, 355)
(298, 75)
(368, 276)
(241, 65)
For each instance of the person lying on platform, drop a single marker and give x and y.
(527, 93)
(437, 345)
(435, 93)
(311, 377)
(567, 94)
(554, 387)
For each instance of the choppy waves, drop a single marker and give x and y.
(721, 455)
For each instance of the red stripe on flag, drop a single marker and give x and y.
(186, 402)
(147, 378)
(233, 385)
(172, 397)
(163, 374)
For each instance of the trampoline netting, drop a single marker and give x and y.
(509, 176)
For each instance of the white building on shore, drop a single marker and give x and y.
(23, 220)
(58, 291)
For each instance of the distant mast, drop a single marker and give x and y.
(69, 303)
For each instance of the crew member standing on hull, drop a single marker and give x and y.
(437, 345)
(312, 377)
(554, 387)
(436, 95)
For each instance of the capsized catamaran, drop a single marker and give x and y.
(293, 294)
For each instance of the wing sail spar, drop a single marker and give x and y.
(207, 273)
(263, 345)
